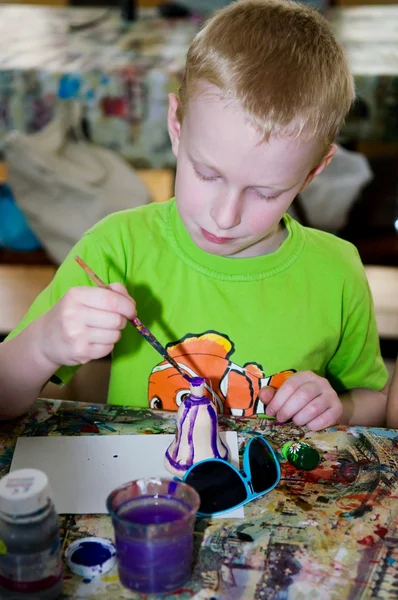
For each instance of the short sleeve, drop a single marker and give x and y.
(358, 363)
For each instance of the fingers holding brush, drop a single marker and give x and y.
(86, 324)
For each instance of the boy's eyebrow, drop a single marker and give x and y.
(202, 161)
(277, 188)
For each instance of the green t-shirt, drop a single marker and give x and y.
(237, 321)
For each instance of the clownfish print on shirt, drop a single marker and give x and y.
(234, 388)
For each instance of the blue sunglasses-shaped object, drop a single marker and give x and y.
(222, 487)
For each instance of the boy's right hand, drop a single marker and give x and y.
(85, 324)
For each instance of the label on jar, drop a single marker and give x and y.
(28, 573)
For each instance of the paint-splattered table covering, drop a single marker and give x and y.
(327, 534)
(121, 76)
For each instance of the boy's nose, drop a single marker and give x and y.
(226, 211)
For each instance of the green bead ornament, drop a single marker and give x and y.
(300, 455)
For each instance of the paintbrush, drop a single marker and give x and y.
(144, 331)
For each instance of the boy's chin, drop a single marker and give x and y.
(212, 248)
(225, 250)
(229, 249)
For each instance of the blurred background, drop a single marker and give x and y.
(83, 105)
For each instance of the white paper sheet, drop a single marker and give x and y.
(83, 470)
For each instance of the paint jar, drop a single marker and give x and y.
(153, 521)
(30, 547)
(197, 437)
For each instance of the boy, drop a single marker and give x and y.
(243, 294)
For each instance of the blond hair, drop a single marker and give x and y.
(280, 61)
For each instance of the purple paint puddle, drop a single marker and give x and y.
(90, 557)
(115, 456)
(91, 554)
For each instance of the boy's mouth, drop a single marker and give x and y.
(213, 238)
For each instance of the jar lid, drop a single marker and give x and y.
(91, 556)
(24, 492)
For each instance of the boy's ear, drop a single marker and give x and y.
(319, 167)
(173, 124)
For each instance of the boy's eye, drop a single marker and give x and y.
(266, 197)
(205, 177)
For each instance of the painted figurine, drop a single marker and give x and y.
(197, 436)
(300, 455)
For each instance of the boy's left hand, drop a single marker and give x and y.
(306, 399)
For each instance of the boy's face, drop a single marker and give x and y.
(232, 188)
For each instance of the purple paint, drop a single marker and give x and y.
(214, 434)
(156, 563)
(115, 456)
(190, 410)
(90, 554)
(188, 413)
(197, 381)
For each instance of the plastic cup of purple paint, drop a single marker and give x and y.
(153, 521)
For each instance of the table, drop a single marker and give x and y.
(328, 534)
(122, 76)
